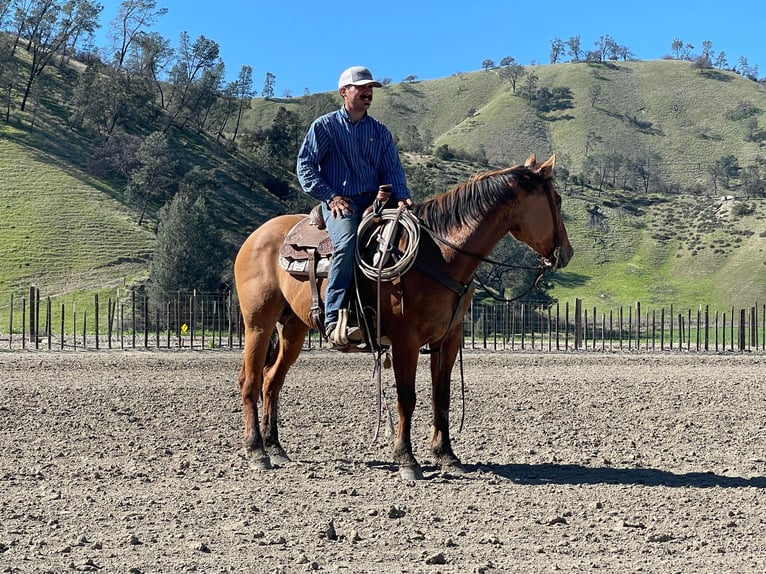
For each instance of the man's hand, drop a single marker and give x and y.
(406, 202)
(339, 206)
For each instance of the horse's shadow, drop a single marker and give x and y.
(575, 474)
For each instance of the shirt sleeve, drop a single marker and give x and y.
(391, 168)
(313, 148)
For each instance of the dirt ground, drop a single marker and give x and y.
(132, 462)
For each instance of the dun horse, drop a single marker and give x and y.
(426, 307)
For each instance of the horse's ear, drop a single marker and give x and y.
(546, 168)
(531, 161)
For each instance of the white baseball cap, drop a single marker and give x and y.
(357, 76)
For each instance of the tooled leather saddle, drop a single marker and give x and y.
(306, 252)
(307, 247)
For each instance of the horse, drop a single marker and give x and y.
(424, 308)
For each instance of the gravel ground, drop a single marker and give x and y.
(133, 462)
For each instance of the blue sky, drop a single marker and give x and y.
(307, 43)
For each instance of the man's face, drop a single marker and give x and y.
(357, 97)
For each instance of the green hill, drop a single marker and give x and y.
(636, 146)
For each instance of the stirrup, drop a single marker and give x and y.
(343, 335)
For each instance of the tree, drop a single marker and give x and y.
(133, 16)
(754, 181)
(530, 86)
(50, 25)
(724, 170)
(488, 64)
(268, 86)
(574, 50)
(150, 55)
(747, 70)
(412, 139)
(511, 71)
(189, 253)
(198, 66)
(557, 49)
(284, 136)
(607, 48)
(154, 171)
(676, 47)
(720, 61)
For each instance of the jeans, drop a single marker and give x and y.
(342, 231)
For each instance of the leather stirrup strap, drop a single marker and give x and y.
(316, 312)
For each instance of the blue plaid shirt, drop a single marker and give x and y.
(339, 157)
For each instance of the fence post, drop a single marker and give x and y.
(48, 320)
(109, 323)
(23, 323)
(578, 324)
(620, 320)
(95, 311)
(742, 330)
(10, 325)
(32, 333)
(62, 326)
(716, 330)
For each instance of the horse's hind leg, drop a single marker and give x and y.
(292, 333)
(250, 385)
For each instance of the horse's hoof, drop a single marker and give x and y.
(260, 462)
(453, 468)
(413, 472)
(280, 459)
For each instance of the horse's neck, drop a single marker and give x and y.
(472, 244)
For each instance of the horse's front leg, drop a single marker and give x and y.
(442, 362)
(405, 359)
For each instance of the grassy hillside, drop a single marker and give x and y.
(72, 232)
(674, 244)
(61, 228)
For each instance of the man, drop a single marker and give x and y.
(345, 156)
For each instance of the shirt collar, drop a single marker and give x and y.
(344, 114)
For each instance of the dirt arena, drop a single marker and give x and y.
(132, 462)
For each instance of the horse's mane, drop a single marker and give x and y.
(473, 200)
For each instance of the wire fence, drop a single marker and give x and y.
(200, 321)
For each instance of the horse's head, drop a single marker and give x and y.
(538, 222)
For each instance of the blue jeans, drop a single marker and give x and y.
(342, 231)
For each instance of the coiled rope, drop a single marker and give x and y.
(378, 257)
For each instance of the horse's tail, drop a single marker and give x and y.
(273, 352)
